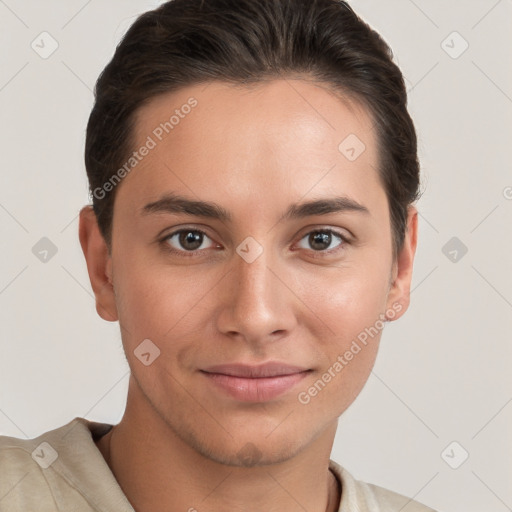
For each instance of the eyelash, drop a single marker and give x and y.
(195, 253)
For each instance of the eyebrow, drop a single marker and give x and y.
(174, 203)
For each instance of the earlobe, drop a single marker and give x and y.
(99, 264)
(399, 294)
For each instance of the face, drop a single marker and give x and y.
(264, 308)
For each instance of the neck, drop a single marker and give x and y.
(158, 471)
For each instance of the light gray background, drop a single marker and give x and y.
(443, 371)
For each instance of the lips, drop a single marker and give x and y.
(254, 383)
(272, 369)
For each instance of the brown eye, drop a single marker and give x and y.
(190, 240)
(186, 240)
(322, 240)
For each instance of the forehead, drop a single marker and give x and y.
(284, 136)
(306, 107)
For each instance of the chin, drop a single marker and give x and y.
(245, 448)
(250, 455)
(250, 447)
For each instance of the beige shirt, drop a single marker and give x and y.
(63, 470)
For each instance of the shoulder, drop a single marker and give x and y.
(365, 497)
(38, 473)
(22, 473)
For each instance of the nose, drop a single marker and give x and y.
(258, 305)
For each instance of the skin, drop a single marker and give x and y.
(254, 151)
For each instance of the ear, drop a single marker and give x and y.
(99, 264)
(401, 277)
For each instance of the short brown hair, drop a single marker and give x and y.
(186, 42)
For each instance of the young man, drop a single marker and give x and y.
(253, 170)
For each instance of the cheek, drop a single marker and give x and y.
(160, 302)
(349, 299)
(332, 389)
(354, 311)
